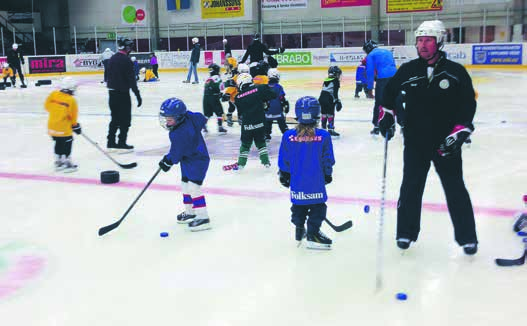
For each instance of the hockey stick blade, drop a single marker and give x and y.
(124, 166)
(129, 165)
(108, 228)
(511, 262)
(339, 228)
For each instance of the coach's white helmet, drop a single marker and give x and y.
(243, 68)
(224, 41)
(15, 46)
(433, 28)
(5, 65)
(69, 84)
(195, 40)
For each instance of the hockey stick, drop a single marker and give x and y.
(108, 228)
(339, 228)
(378, 275)
(511, 262)
(124, 166)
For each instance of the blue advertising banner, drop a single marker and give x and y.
(497, 54)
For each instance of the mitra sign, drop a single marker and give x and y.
(47, 64)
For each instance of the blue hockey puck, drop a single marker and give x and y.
(522, 234)
(366, 209)
(163, 234)
(401, 296)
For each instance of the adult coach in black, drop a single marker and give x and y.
(440, 107)
(120, 80)
(14, 59)
(256, 50)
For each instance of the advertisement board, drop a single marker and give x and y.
(47, 64)
(497, 54)
(222, 8)
(395, 6)
(283, 4)
(343, 3)
(133, 14)
(294, 58)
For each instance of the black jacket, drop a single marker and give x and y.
(15, 57)
(256, 50)
(435, 106)
(194, 56)
(121, 75)
(227, 49)
(250, 103)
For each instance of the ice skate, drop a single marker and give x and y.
(470, 248)
(333, 133)
(300, 234)
(403, 243)
(186, 81)
(230, 123)
(185, 218)
(375, 131)
(199, 224)
(221, 130)
(123, 148)
(69, 166)
(59, 165)
(318, 241)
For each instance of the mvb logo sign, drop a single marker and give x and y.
(47, 64)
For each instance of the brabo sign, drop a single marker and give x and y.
(295, 59)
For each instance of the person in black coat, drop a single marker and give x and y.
(194, 60)
(226, 47)
(256, 50)
(15, 59)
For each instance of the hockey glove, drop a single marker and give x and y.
(285, 104)
(266, 106)
(165, 164)
(338, 105)
(386, 122)
(225, 97)
(77, 129)
(139, 99)
(452, 143)
(285, 178)
(281, 50)
(328, 179)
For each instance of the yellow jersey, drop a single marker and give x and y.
(232, 90)
(63, 112)
(232, 62)
(261, 80)
(149, 75)
(7, 72)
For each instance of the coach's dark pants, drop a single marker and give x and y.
(380, 84)
(121, 112)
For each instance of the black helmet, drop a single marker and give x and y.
(263, 67)
(369, 45)
(125, 44)
(214, 69)
(256, 36)
(334, 71)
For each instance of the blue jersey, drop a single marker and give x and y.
(379, 63)
(308, 159)
(188, 148)
(360, 75)
(136, 68)
(275, 107)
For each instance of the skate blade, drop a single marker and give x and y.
(201, 227)
(70, 170)
(186, 221)
(318, 246)
(124, 151)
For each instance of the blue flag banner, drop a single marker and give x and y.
(178, 4)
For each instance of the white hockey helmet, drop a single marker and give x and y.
(273, 73)
(244, 79)
(243, 68)
(5, 65)
(15, 46)
(69, 84)
(433, 28)
(107, 50)
(133, 58)
(224, 41)
(143, 70)
(195, 40)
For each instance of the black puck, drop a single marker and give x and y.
(109, 177)
(44, 82)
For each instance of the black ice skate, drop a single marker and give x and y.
(403, 243)
(230, 123)
(123, 148)
(221, 130)
(300, 233)
(333, 133)
(199, 224)
(375, 131)
(470, 248)
(185, 218)
(318, 241)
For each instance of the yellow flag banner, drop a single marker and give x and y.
(395, 6)
(222, 8)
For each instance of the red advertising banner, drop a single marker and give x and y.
(209, 57)
(2, 60)
(47, 64)
(344, 3)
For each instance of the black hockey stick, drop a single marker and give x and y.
(511, 262)
(124, 166)
(339, 228)
(380, 227)
(108, 228)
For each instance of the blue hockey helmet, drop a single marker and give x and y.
(307, 110)
(172, 108)
(369, 45)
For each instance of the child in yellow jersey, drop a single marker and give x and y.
(230, 64)
(148, 75)
(259, 73)
(62, 122)
(8, 72)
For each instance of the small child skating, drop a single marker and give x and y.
(7, 72)
(212, 96)
(306, 164)
(148, 75)
(329, 99)
(136, 67)
(250, 104)
(62, 122)
(360, 79)
(277, 106)
(187, 148)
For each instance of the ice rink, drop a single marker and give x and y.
(56, 271)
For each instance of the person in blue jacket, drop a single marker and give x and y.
(360, 80)
(380, 66)
(277, 106)
(306, 164)
(188, 148)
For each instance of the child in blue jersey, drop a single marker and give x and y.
(277, 106)
(306, 164)
(360, 79)
(188, 148)
(136, 67)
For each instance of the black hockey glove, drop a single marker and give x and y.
(77, 129)
(281, 49)
(328, 179)
(338, 105)
(386, 122)
(225, 97)
(139, 99)
(285, 178)
(165, 164)
(266, 105)
(452, 143)
(285, 104)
